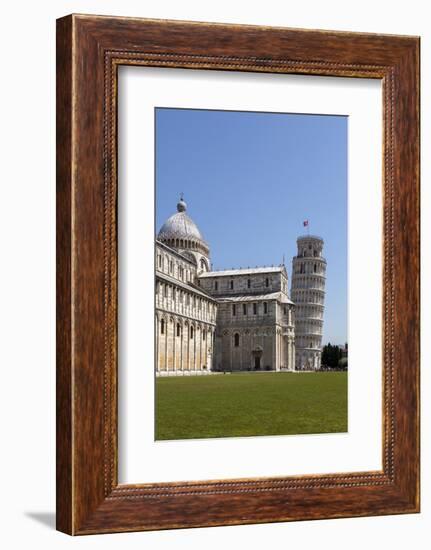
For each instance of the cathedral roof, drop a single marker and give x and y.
(243, 271)
(280, 296)
(180, 225)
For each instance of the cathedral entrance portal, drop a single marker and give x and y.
(257, 356)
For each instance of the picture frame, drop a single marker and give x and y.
(89, 51)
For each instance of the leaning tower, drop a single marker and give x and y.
(308, 294)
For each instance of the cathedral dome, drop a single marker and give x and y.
(180, 226)
(180, 232)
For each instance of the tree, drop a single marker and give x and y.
(325, 355)
(331, 355)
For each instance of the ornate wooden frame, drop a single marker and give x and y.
(89, 51)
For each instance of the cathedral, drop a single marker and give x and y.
(238, 319)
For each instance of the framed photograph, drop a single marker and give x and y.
(237, 274)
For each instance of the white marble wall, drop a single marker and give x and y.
(185, 317)
(222, 285)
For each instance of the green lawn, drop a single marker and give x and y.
(247, 404)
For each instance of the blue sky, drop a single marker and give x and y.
(250, 180)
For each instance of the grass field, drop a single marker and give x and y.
(235, 405)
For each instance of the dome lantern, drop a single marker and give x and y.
(182, 205)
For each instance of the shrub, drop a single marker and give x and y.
(342, 363)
